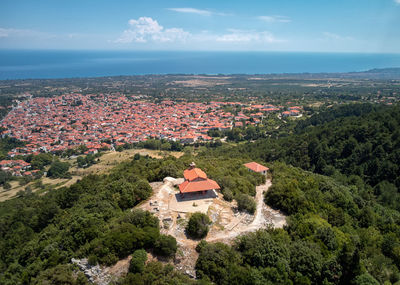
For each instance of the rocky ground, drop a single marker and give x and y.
(173, 213)
(228, 222)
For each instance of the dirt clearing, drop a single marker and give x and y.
(227, 222)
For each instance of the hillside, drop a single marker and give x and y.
(359, 144)
(335, 176)
(335, 234)
(93, 218)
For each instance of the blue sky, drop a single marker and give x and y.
(237, 25)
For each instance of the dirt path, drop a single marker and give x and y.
(259, 219)
(264, 216)
(228, 223)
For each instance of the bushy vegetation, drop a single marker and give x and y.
(338, 142)
(341, 229)
(60, 274)
(88, 160)
(138, 260)
(165, 245)
(58, 169)
(198, 225)
(157, 273)
(336, 177)
(246, 203)
(335, 235)
(7, 143)
(160, 145)
(39, 161)
(5, 177)
(90, 218)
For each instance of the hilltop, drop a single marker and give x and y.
(342, 222)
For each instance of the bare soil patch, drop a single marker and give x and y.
(227, 221)
(200, 83)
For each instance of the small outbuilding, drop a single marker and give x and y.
(256, 167)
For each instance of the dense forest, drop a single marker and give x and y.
(345, 225)
(357, 142)
(335, 175)
(336, 234)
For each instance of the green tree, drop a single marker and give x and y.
(166, 146)
(165, 245)
(139, 258)
(228, 195)
(218, 262)
(246, 203)
(365, 279)
(306, 259)
(58, 169)
(7, 186)
(41, 160)
(4, 177)
(197, 226)
(60, 275)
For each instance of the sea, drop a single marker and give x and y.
(34, 64)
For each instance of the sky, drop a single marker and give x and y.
(366, 26)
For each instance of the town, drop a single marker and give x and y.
(107, 121)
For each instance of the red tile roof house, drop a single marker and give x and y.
(256, 167)
(54, 124)
(196, 180)
(15, 167)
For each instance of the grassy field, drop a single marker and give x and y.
(111, 158)
(106, 162)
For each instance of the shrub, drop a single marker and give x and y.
(168, 170)
(140, 218)
(139, 258)
(41, 160)
(58, 169)
(365, 279)
(92, 259)
(246, 203)
(4, 176)
(165, 245)
(218, 262)
(201, 245)
(198, 225)
(228, 196)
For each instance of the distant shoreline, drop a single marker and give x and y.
(381, 73)
(58, 64)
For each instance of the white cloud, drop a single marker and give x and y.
(336, 37)
(397, 2)
(198, 11)
(191, 11)
(248, 36)
(146, 29)
(10, 32)
(275, 19)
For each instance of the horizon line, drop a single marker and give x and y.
(202, 74)
(205, 51)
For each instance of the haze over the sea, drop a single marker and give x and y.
(63, 64)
